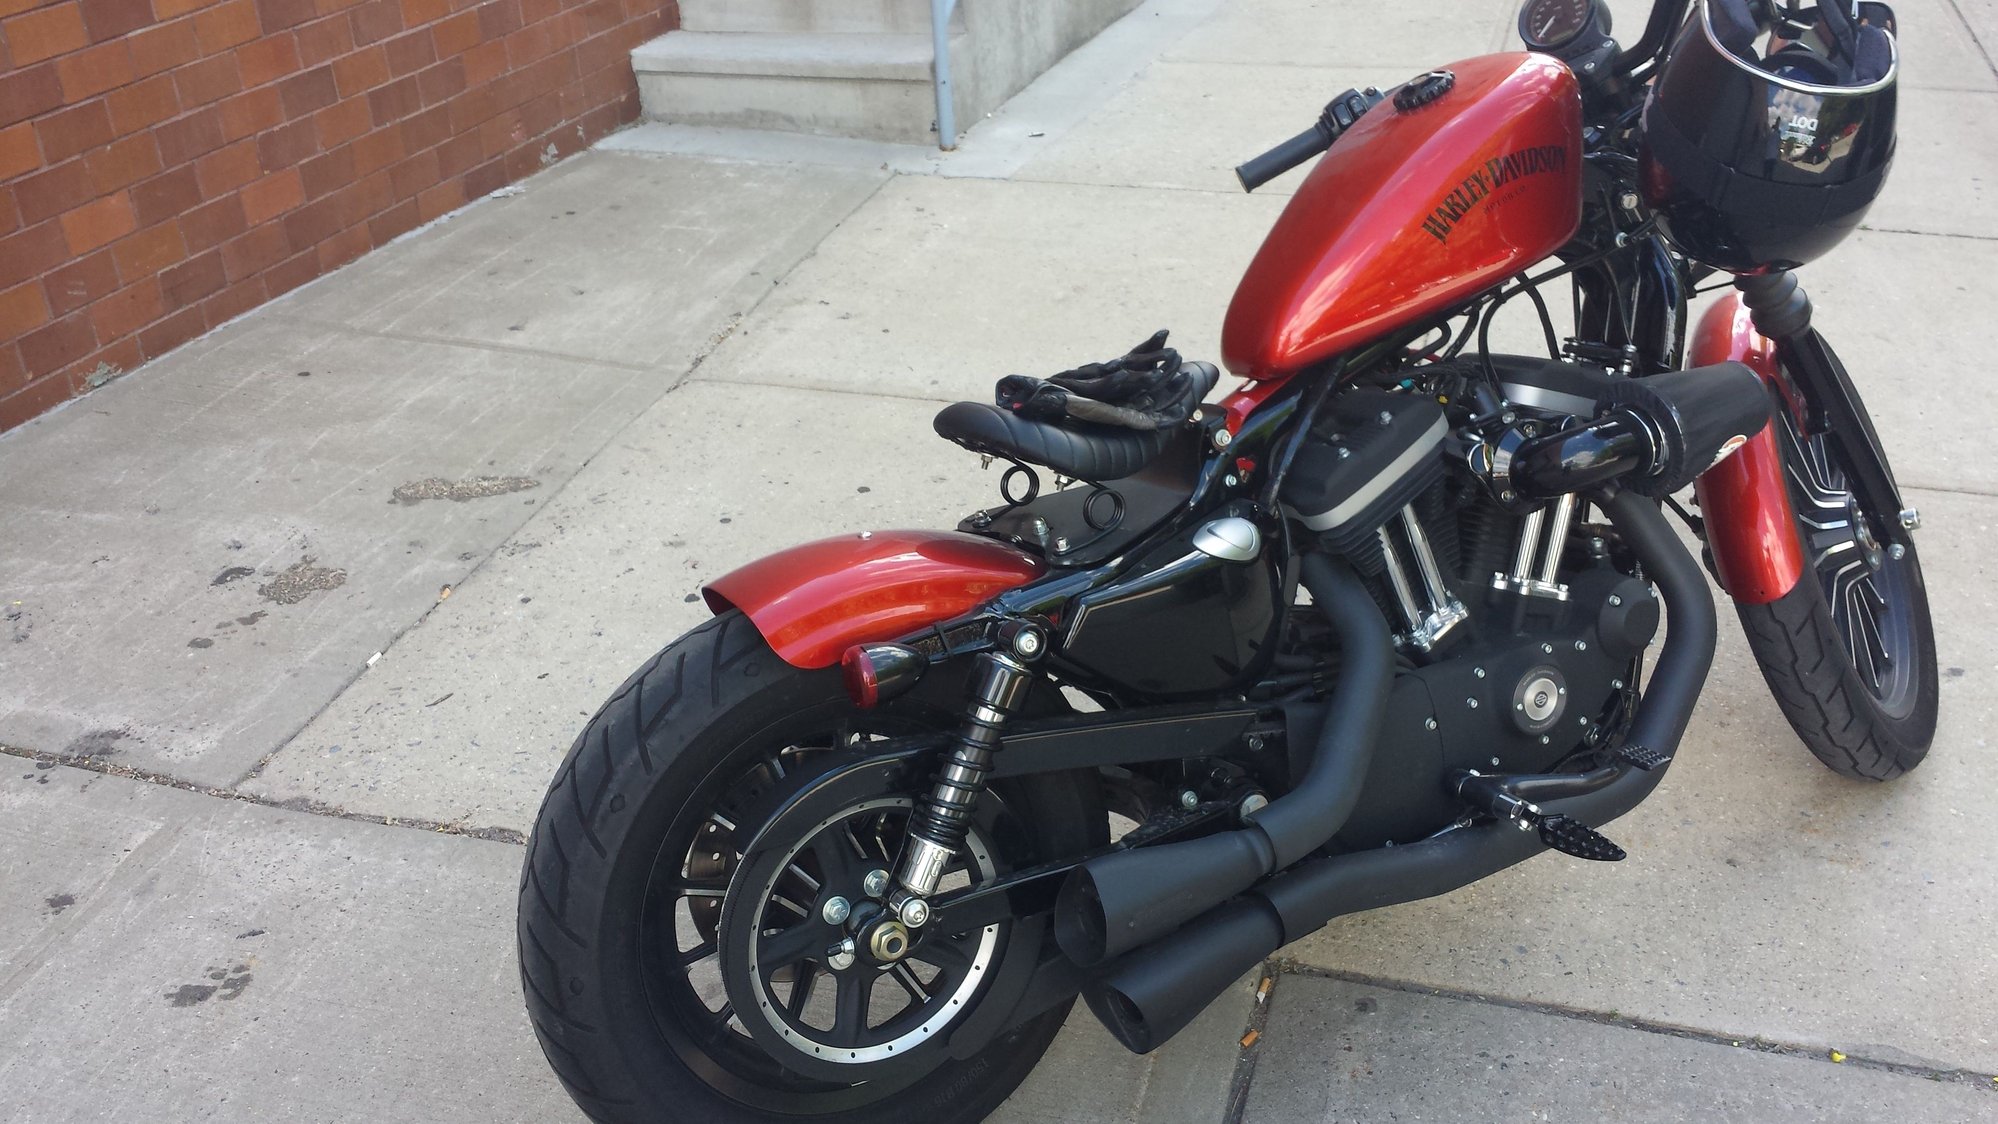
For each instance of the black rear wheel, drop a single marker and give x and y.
(636, 903)
(1850, 652)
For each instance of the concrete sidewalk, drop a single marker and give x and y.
(296, 623)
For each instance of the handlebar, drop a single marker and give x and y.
(1339, 115)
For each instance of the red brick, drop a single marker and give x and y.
(596, 18)
(283, 147)
(22, 310)
(272, 196)
(484, 63)
(193, 279)
(211, 79)
(127, 310)
(535, 11)
(255, 251)
(171, 332)
(186, 137)
(226, 25)
(377, 150)
(395, 101)
(109, 18)
(52, 191)
(435, 201)
(166, 196)
(459, 154)
(164, 47)
(498, 19)
(57, 344)
(45, 33)
(324, 40)
(375, 21)
(168, 9)
(148, 252)
(267, 59)
(414, 174)
(123, 163)
(599, 52)
(212, 224)
(456, 35)
(26, 93)
(361, 71)
(374, 193)
(233, 301)
(143, 103)
(308, 92)
(13, 375)
(250, 113)
(94, 71)
(322, 175)
(80, 282)
(342, 122)
(277, 15)
(70, 131)
(10, 214)
(409, 53)
(394, 222)
(117, 357)
(98, 223)
(427, 129)
(535, 41)
(37, 397)
(443, 81)
(289, 274)
(416, 13)
(228, 168)
(344, 247)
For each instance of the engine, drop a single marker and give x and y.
(1520, 631)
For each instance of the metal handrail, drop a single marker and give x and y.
(940, 12)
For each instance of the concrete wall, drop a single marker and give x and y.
(166, 165)
(1011, 42)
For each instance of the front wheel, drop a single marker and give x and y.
(1849, 652)
(670, 976)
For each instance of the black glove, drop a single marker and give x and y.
(1143, 389)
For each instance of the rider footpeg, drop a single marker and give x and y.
(1571, 836)
(1644, 757)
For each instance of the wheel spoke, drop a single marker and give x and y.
(801, 989)
(791, 945)
(943, 952)
(698, 953)
(911, 983)
(856, 987)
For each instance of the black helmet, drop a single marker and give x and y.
(1756, 162)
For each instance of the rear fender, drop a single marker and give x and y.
(812, 602)
(1751, 527)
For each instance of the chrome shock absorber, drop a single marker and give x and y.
(940, 820)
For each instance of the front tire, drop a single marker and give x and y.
(610, 966)
(1849, 652)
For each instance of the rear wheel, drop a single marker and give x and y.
(637, 904)
(1850, 652)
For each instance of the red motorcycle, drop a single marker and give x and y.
(1370, 628)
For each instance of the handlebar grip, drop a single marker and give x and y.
(1262, 169)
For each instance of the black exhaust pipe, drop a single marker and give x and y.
(1151, 994)
(1128, 899)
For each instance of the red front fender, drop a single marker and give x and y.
(1751, 527)
(812, 602)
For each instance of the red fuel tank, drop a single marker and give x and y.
(1413, 211)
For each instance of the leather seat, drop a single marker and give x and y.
(1079, 450)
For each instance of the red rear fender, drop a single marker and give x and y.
(812, 602)
(1745, 501)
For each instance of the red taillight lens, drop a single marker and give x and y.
(863, 682)
(876, 673)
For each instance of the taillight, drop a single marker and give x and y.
(876, 673)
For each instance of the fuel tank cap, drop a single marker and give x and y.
(1423, 89)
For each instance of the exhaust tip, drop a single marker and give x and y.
(1080, 927)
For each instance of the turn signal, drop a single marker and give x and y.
(876, 673)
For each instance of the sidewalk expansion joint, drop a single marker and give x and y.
(476, 345)
(293, 804)
(1929, 233)
(1760, 1045)
(1251, 1044)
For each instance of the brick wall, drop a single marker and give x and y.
(166, 165)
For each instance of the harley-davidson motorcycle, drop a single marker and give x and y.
(1376, 624)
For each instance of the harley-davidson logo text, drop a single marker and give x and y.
(1480, 184)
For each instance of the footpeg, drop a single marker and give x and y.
(1571, 836)
(1644, 757)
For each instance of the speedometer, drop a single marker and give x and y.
(1549, 25)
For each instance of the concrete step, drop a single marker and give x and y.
(875, 86)
(907, 17)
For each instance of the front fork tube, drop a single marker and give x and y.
(937, 827)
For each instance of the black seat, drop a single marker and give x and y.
(1078, 449)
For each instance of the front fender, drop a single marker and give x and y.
(813, 602)
(1751, 527)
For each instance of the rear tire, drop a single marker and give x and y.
(1858, 683)
(676, 741)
